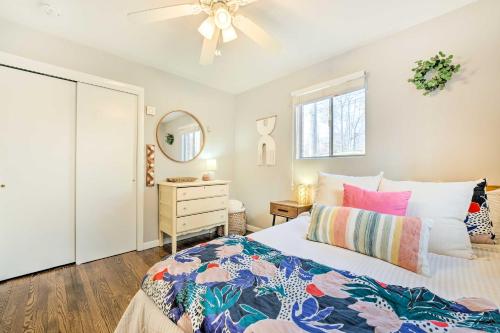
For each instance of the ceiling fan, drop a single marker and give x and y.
(222, 20)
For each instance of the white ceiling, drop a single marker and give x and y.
(309, 30)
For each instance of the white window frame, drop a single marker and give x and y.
(322, 91)
(298, 138)
(299, 134)
(189, 146)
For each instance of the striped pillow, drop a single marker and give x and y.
(400, 240)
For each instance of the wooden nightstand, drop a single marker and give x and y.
(288, 209)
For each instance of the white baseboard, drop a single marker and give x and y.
(168, 240)
(253, 228)
(150, 244)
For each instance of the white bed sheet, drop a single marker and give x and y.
(451, 278)
(143, 316)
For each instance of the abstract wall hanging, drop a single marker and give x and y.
(266, 147)
(150, 165)
(434, 73)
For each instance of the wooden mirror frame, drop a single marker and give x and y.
(202, 132)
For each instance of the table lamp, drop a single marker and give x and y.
(303, 194)
(210, 170)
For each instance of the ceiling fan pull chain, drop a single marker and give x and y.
(218, 50)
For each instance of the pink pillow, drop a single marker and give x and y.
(393, 203)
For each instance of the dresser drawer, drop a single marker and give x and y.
(198, 221)
(198, 192)
(197, 206)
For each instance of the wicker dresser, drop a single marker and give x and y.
(185, 208)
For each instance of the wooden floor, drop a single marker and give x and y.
(86, 298)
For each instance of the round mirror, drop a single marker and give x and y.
(180, 136)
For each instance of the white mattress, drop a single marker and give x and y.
(452, 278)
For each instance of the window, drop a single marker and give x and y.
(191, 142)
(331, 126)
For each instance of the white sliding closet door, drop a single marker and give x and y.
(106, 170)
(37, 172)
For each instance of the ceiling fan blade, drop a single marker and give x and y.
(209, 47)
(163, 13)
(256, 33)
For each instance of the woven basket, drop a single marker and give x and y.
(237, 224)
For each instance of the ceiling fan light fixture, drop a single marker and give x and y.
(222, 18)
(207, 28)
(229, 34)
(218, 28)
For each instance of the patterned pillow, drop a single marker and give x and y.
(399, 240)
(494, 203)
(478, 221)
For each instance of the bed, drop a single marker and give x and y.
(452, 278)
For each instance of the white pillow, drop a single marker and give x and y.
(330, 190)
(433, 200)
(449, 237)
(447, 204)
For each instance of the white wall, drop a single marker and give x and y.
(167, 92)
(453, 135)
(450, 136)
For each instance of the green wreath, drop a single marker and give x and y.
(443, 68)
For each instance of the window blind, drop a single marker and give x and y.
(339, 86)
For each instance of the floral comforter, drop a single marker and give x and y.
(236, 284)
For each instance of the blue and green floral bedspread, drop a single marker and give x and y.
(236, 284)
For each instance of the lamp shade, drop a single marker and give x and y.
(211, 165)
(303, 194)
(229, 34)
(207, 28)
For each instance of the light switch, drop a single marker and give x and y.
(150, 110)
